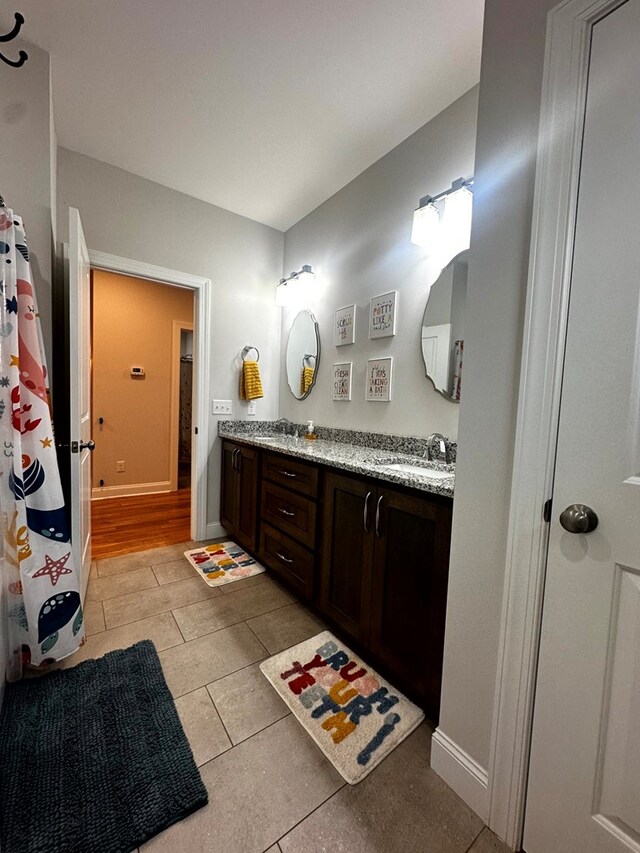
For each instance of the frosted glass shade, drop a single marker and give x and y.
(426, 227)
(456, 224)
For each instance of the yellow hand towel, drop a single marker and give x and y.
(307, 379)
(250, 382)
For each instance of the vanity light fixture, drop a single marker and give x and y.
(294, 286)
(443, 222)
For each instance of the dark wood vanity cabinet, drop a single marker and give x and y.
(385, 557)
(288, 521)
(239, 496)
(347, 554)
(371, 557)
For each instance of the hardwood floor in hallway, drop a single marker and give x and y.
(139, 523)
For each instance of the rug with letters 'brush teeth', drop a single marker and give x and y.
(223, 562)
(353, 714)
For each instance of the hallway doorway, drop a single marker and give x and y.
(142, 334)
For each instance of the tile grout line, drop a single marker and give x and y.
(179, 632)
(319, 806)
(474, 840)
(232, 624)
(246, 740)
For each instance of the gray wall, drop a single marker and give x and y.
(26, 181)
(508, 117)
(358, 243)
(27, 187)
(134, 218)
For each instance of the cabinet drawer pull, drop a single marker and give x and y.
(286, 473)
(283, 558)
(286, 512)
(378, 534)
(365, 514)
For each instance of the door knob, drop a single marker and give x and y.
(579, 518)
(77, 446)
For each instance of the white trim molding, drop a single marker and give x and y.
(215, 530)
(100, 493)
(202, 365)
(555, 202)
(461, 772)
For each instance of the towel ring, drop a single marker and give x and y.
(247, 350)
(308, 357)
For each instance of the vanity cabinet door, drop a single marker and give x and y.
(229, 491)
(347, 553)
(409, 590)
(239, 499)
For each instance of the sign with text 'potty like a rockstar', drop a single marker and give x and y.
(354, 716)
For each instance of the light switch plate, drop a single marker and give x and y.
(221, 407)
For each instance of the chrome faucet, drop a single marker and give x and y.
(442, 445)
(287, 426)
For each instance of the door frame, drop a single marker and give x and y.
(201, 288)
(564, 94)
(179, 326)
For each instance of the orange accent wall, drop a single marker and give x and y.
(132, 325)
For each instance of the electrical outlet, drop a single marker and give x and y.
(120, 467)
(251, 408)
(221, 407)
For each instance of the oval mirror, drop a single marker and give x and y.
(442, 340)
(303, 354)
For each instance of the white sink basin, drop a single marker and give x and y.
(432, 473)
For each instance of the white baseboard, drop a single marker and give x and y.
(461, 772)
(102, 492)
(215, 530)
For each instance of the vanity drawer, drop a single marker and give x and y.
(288, 559)
(299, 476)
(294, 514)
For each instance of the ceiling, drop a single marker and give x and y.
(263, 107)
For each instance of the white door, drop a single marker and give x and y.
(80, 395)
(436, 352)
(584, 779)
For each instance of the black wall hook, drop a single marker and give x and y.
(22, 56)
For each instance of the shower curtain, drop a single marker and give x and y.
(40, 584)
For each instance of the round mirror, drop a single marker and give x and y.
(442, 339)
(303, 354)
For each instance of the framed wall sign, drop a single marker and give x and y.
(341, 388)
(345, 326)
(378, 379)
(382, 315)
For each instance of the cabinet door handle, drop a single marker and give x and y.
(233, 460)
(236, 460)
(283, 558)
(286, 473)
(286, 512)
(365, 514)
(378, 534)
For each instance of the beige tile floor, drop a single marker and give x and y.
(271, 790)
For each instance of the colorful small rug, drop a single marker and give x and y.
(94, 758)
(223, 562)
(353, 714)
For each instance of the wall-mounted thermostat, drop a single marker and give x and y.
(137, 372)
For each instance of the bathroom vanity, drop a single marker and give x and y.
(361, 534)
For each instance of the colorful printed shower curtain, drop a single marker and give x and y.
(41, 586)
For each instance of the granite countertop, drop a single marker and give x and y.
(370, 461)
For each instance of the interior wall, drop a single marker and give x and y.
(26, 181)
(358, 243)
(132, 217)
(508, 118)
(27, 187)
(133, 326)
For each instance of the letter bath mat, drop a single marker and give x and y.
(223, 562)
(354, 716)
